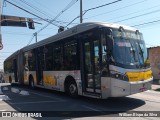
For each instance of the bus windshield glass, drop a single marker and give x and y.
(129, 49)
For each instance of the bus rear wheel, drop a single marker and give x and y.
(31, 83)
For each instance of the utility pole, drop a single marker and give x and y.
(35, 34)
(1, 45)
(81, 12)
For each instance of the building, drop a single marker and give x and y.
(154, 57)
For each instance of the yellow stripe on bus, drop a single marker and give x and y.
(139, 76)
(50, 80)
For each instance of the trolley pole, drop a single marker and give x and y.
(81, 12)
(35, 34)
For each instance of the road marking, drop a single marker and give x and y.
(5, 84)
(2, 110)
(32, 102)
(5, 88)
(15, 90)
(4, 97)
(1, 90)
(93, 109)
(23, 92)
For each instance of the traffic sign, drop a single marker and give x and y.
(1, 46)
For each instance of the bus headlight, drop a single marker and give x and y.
(118, 75)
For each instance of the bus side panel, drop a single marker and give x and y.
(20, 67)
(119, 88)
(105, 87)
(55, 79)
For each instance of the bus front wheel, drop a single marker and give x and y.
(72, 89)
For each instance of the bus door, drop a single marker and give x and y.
(91, 66)
(39, 66)
(15, 69)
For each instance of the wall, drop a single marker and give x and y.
(154, 57)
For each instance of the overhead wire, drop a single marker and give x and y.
(37, 11)
(101, 6)
(134, 12)
(139, 15)
(30, 12)
(146, 23)
(85, 11)
(46, 7)
(66, 8)
(117, 9)
(35, 8)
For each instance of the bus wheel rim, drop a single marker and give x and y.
(72, 88)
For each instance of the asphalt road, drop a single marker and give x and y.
(47, 103)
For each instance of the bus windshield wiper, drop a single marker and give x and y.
(141, 53)
(133, 52)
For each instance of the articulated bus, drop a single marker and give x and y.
(93, 59)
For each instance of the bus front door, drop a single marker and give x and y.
(91, 56)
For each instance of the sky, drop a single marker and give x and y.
(142, 14)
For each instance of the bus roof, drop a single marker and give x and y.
(72, 31)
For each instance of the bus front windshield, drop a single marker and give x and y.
(129, 49)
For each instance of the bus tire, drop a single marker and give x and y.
(72, 89)
(31, 82)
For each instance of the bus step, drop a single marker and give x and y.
(95, 95)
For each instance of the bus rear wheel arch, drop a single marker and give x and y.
(71, 86)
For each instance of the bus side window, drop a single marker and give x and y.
(57, 57)
(70, 56)
(49, 57)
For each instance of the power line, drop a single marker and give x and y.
(146, 23)
(134, 12)
(30, 39)
(101, 6)
(117, 9)
(66, 8)
(35, 8)
(85, 11)
(17, 33)
(30, 13)
(139, 15)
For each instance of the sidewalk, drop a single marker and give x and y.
(156, 84)
(155, 87)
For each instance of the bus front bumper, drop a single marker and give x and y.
(122, 88)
